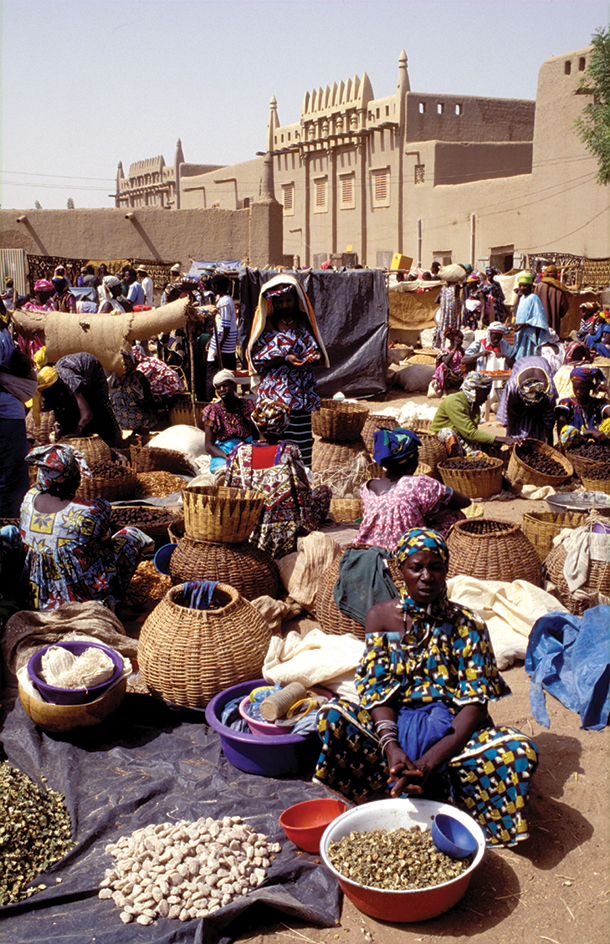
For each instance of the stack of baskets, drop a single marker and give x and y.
(339, 425)
(373, 422)
(475, 483)
(431, 450)
(519, 471)
(541, 527)
(492, 550)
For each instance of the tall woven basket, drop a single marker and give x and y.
(188, 656)
(541, 527)
(120, 486)
(492, 550)
(149, 459)
(372, 423)
(475, 483)
(251, 571)
(598, 579)
(93, 448)
(594, 484)
(219, 514)
(330, 455)
(519, 471)
(40, 434)
(431, 450)
(328, 614)
(339, 420)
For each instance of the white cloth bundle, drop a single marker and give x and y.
(316, 659)
(63, 669)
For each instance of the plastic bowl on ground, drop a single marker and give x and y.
(452, 836)
(401, 906)
(305, 822)
(162, 558)
(74, 696)
(260, 754)
(261, 727)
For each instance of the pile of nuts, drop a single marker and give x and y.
(158, 484)
(396, 859)
(185, 870)
(598, 451)
(35, 832)
(470, 464)
(109, 470)
(539, 461)
(146, 584)
(140, 516)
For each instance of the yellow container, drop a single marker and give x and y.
(401, 262)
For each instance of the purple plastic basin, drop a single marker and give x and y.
(262, 754)
(73, 696)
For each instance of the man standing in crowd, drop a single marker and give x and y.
(135, 292)
(224, 338)
(147, 284)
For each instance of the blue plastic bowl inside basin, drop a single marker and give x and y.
(265, 755)
(74, 696)
(452, 837)
(163, 556)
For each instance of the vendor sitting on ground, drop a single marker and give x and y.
(448, 374)
(456, 422)
(422, 726)
(491, 352)
(276, 468)
(599, 339)
(227, 421)
(69, 553)
(582, 413)
(527, 408)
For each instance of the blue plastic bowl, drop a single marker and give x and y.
(452, 837)
(74, 696)
(162, 558)
(264, 755)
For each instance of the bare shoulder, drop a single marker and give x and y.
(384, 617)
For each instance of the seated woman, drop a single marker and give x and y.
(599, 339)
(447, 375)
(69, 553)
(527, 407)
(583, 413)
(576, 353)
(421, 726)
(227, 421)
(276, 468)
(456, 422)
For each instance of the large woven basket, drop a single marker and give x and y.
(188, 656)
(346, 509)
(519, 471)
(475, 483)
(598, 579)
(149, 459)
(584, 466)
(431, 450)
(541, 527)
(118, 487)
(328, 614)
(339, 420)
(251, 571)
(373, 422)
(93, 448)
(176, 531)
(492, 550)
(182, 412)
(330, 455)
(219, 514)
(595, 485)
(40, 434)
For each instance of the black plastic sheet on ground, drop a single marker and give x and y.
(351, 310)
(149, 764)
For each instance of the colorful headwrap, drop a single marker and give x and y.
(110, 281)
(47, 376)
(278, 290)
(475, 381)
(393, 446)
(532, 390)
(60, 284)
(577, 351)
(224, 376)
(605, 316)
(587, 374)
(490, 271)
(56, 464)
(474, 277)
(421, 539)
(466, 267)
(271, 416)
(43, 285)
(570, 437)
(525, 278)
(451, 333)
(589, 307)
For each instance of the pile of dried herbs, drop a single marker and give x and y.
(35, 831)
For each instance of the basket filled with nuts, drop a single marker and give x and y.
(114, 481)
(534, 463)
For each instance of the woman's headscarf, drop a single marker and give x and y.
(265, 308)
(60, 284)
(452, 332)
(573, 346)
(56, 464)
(475, 381)
(43, 285)
(532, 391)
(495, 326)
(525, 278)
(271, 416)
(394, 446)
(421, 539)
(46, 376)
(224, 376)
(490, 271)
(587, 374)
(108, 282)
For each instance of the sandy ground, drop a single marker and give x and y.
(553, 887)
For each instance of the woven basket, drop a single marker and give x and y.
(328, 614)
(372, 423)
(112, 488)
(182, 412)
(346, 509)
(475, 483)
(583, 466)
(6, 522)
(518, 471)
(93, 448)
(492, 550)
(148, 459)
(598, 579)
(188, 656)
(221, 515)
(540, 527)
(339, 420)
(251, 571)
(431, 450)
(596, 485)
(124, 516)
(41, 434)
(330, 455)
(176, 531)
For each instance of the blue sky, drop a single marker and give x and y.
(86, 83)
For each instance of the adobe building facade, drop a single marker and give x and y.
(456, 178)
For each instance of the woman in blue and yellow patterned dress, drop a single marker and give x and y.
(70, 555)
(422, 727)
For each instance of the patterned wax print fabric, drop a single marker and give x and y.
(583, 416)
(414, 501)
(82, 373)
(450, 312)
(448, 374)
(71, 556)
(228, 425)
(164, 382)
(523, 419)
(125, 392)
(291, 505)
(295, 387)
(494, 297)
(446, 656)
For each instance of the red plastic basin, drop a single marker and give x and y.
(305, 822)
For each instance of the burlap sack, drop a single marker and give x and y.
(101, 335)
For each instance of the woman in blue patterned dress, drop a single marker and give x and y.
(70, 554)
(421, 726)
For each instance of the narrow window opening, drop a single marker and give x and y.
(567, 68)
(458, 109)
(422, 108)
(440, 108)
(581, 64)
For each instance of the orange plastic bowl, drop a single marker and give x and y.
(305, 822)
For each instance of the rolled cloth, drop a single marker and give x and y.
(271, 416)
